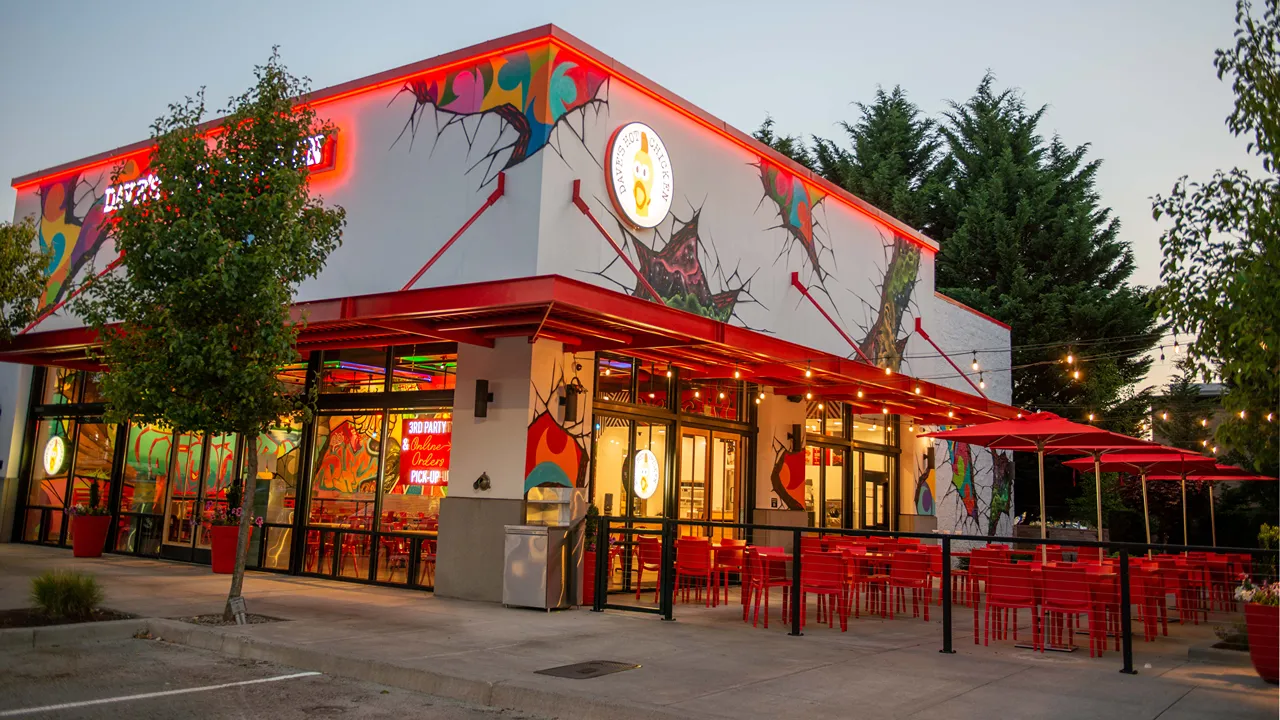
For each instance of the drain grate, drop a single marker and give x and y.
(588, 670)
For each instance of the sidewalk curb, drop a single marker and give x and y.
(509, 694)
(71, 634)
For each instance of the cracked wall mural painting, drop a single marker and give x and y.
(555, 452)
(534, 92)
(787, 477)
(978, 499)
(72, 227)
(885, 342)
(796, 202)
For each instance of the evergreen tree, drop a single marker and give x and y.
(790, 145)
(1025, 240)
(890, 162)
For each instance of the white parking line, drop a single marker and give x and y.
(145, 696)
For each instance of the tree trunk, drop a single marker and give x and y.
(250, 482)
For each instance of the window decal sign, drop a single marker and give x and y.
(55, 455)
(641, 182)
(321, 156)
(424, 451)
(646, 474)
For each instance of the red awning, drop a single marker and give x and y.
(585, 318)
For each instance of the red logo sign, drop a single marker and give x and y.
(424, 451)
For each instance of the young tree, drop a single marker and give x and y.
(21, 276)
(196, 324)
(890, 162)
(1222, 249)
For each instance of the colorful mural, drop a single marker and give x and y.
(70, 234)
(884, 342)
(555, 453)
(533, 91)
(796, 202)
(677, 272)
(960, 457)
(926, 488)
(347, 461)
(1001, 491)
(788, 476)
(979, 491)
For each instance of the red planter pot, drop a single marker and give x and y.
(89, 535)
(1263, 622)
(223, 539)
(589, 577)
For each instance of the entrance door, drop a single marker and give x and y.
(710, 469)
(182, 501)
(875, 483)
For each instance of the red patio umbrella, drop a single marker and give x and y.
(1168, 461)
(1219, 473)
(1041, 433)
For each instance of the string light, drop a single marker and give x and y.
(652, 395)
(1269, 417)
(1164, 415)
(721, 396)
(1075, 374)
(1204, 422)
(1070, 358)
(1204, 443)
(808, 396)
(917, 389)
(668, 371)
(884, 410)
(808, 371)
(974, 365)
(1241, 414)
(1019, 416)
(982, 384)
(761, 395)
(736, 375)
(757, 401)
(888, 371)
(859, 394)
(607, 371)
(951, 413)
(873, 427)
(697, 393)
(911, 427)
(819, 406)
(1215, 449)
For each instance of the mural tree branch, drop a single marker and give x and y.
(21, 277)
(196, 322)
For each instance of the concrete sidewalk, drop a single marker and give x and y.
(707, 664)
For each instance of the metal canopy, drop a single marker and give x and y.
(586, 318)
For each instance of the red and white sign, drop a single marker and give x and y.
(321, 156)
(424, 451)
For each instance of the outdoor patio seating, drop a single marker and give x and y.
(823, 574)
(910, 571)
(648, 557)
(694, 567)
(764, 572)
(1009, 588)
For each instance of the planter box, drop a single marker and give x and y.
(1263, 622)
(89, 535)
(223, 551)
(1033, 532)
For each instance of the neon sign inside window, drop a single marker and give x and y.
(321, 154)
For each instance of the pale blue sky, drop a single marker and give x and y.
(1133, 78)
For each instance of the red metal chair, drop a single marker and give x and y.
(1221, 584)
(1053, 553)
(730, 559)
(762, 575)
(823, 574)
(934, 553)
(1176, 582)
(693, 562)
(648, 557)
(427, 562)
(812, 544)
(909, 570)
(1147, 591)
(1066, 598)
(1009, 587)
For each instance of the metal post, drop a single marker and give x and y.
(1213, 524)
(795, 585)
(1044, 517)
(945, 591)
(1126, 630)
(1097, 488)
(667, 575)
(1184, 510)
(1146, 514)
(601, 580)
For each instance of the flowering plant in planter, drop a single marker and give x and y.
(229, 513)
(1267, 594)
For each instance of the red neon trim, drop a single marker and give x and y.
(920, 331)
(493, 198)
(72, 295)
(962, 306)
(557, 37)
(795, 282)
(582, 206)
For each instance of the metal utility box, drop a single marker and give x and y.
(543, 557)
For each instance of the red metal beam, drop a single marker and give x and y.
(493, 198)
(795, 282)
(70, 296)
(416, 328)
(920, 331)
(585, 210)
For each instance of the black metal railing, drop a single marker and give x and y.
(1058, 581)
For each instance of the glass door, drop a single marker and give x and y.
(875, 483)
(182, 512)
(694, 473)
(710, 470)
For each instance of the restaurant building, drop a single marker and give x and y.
(554, 272)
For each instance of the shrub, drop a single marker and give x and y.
(65, 594)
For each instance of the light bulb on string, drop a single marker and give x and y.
(697, 393)
(1075, 374)
(721, 396)
(911, 427)
(761, 395)
(1070, 358)
(1214, 449)
(808, 396)
(669, 373)
(884, 410)
(974, 365)
(1204, 422)
(736, 375)
(917, 389)
(808, 370)
(1241, 414)
(1090, 417)
(873, 427)
(819, 406)
(1164, 415)
(888, 371)
(1204, 443)
(1269, 416)
(982, 384)
(860, 393)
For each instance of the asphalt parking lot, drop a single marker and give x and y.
(154, 679)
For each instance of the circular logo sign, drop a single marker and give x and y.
(55, 455)
(646, 474)
(640, 179)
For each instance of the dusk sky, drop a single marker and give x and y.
(1134, 79)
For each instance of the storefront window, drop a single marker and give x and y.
(714, 398)
(653, 384)
(146, 469)
(613, 378)
(360, 370)
(181, 515)
(275, 492)
(95, 450)
(875, 484)
(92, 392)
(813, 417)
(61, 386)
(412, 369)
(293, 378)
(344, 480)
(825, 486)
(871, 428)
(647, 496)
(51, 465)
(416, 478)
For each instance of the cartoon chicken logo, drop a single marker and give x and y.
(642, 174)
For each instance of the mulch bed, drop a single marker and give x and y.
(30, 617)
(250, 619)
